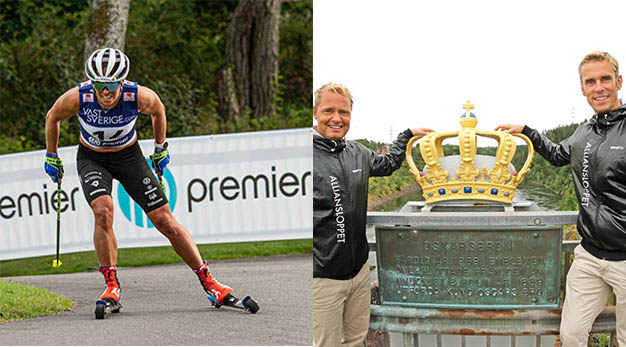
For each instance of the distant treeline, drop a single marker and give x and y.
(176, 48)
(555, 179)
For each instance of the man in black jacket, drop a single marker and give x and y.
(596, 153)
(341, 169)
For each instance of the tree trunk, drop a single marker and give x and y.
(228, 108)
(238, 47)
(106, 25)
(252, 52)
(265, 59)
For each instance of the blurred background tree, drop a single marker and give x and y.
(106, 25)
(176, 48)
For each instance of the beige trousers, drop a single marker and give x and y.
(341, 310)
(589, 284)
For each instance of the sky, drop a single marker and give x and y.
(411, 64)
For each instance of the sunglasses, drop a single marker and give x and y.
(111, 87)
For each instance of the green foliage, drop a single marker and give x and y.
(11, 145)
(402, 179)
(296, 65)
(556, 179)
(176, 48)
(599, 340)
(37, 64)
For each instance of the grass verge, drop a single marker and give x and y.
(82, 261)
(19, 301)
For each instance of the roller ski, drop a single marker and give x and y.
(109, 301)
(246, 304)
(105, 307)
(222, 295)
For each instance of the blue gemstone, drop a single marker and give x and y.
(494, 191)
(442, 191)
(467, 190)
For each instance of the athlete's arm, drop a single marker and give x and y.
(148, 102)
(65, 106)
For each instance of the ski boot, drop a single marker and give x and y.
(220, 294)
(110, 299)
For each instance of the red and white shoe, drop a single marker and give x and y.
(112, 290)
(214, 288)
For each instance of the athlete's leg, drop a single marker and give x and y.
(186, 248)
(614, 275)
(103, 236)
(356, 313)
(586, 294)
(96, 182)
(329, 299)
(141, 184)
(179, 237)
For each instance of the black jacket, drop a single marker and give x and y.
(597, 154)
(341, 172)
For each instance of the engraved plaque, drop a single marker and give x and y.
(482, 268)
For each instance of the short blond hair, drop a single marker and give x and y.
(332, 87)
(598, 56)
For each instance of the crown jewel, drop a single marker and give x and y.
(468, 176)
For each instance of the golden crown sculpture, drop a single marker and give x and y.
(498, 184)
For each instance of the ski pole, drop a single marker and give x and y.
(160, 178)
(57, 263)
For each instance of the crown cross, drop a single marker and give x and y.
(467, 106)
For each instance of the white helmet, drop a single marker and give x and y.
(97, 67)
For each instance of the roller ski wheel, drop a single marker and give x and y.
(106, 306)
(246, 304)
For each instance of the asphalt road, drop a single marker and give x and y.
(165, 305)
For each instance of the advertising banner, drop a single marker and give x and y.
(222, 188)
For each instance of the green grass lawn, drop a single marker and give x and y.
(82, 261)
(19, 301)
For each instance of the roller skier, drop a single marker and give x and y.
(108, 106)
